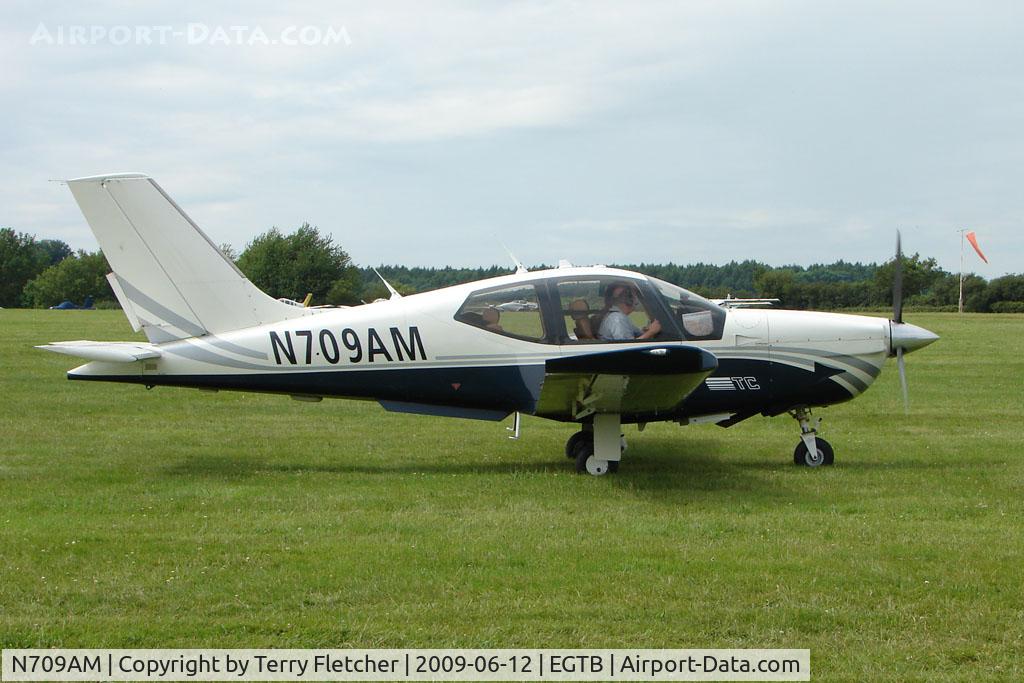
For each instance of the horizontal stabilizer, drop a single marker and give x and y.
(112, 352)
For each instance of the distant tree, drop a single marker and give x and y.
(375, 289)
(346, 289)
(975, 286)
(229, 251)
(829, 286)
(736, 277)
(21, 259)
(305, 261)
(74, 278)
(776, 284)
(426, 279)
(840, 271)
(944, 291)
(1008, 307)
(919, 275)
(54, 251)
(1009, 288)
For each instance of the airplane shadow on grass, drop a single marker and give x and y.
(659, 468)
(667, 468)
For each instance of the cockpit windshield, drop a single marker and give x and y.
(698, 318)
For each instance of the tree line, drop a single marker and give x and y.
(38, 273)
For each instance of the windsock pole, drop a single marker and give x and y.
(960, 306)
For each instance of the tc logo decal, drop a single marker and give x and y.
(732, 383)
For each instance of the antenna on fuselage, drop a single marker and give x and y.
(394, 292)
(520, 268)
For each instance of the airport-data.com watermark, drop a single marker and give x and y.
(196, 33)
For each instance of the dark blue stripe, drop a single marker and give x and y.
(507, 388)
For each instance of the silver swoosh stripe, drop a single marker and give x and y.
(854, 380)
(806, 358)
(845, 384)
(162, 312)
(856, 362)
(214, 340)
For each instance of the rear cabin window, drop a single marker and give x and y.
(510, 311)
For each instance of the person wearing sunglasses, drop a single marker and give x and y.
(620, 300)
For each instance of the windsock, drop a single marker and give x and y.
(972, 238)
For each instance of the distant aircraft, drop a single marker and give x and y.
(531, 342)
(68, 305)
(517, 306)
(732, 302)
(300, 304)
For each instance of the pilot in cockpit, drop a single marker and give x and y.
(621, 299)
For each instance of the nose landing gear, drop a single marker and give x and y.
(812, 450)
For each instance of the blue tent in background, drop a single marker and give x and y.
(68, 305)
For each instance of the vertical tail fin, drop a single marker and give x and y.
(171, 280)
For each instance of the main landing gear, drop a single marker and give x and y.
(812, 450)
(597, 448)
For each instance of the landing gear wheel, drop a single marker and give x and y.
(824, 456)
(586, 463)
(578, 437)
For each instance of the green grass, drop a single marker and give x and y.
(175, 518)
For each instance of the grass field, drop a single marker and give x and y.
(176, 518)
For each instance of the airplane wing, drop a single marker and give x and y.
(625, 381)
(112, 352)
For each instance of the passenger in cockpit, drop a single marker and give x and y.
(491, 318)
(579, 310)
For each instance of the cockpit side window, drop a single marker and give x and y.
(512, 311)
(609, 309)
(699, 318)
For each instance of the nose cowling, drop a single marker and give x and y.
(908, 337)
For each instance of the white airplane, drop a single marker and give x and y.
(732, 302)
(518, 306)
(597, 347)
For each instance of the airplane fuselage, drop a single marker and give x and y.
(413, 353)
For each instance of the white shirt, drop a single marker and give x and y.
(617, 325)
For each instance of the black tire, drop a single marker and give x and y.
(583, 450)
(570, 445)
(825, 456)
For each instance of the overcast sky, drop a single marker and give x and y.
(787, 132)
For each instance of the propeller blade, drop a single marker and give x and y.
(903, 379)
(897, 283)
